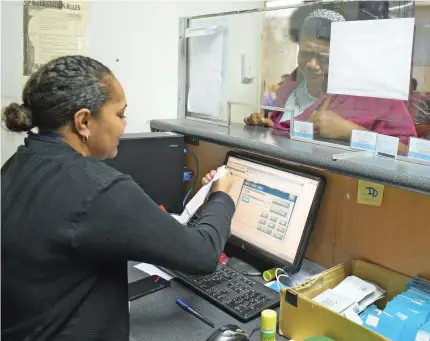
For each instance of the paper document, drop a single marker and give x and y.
(355, 288)
(371, 58)
(422, 45)
(350, 314)
(206, 73)
(153, 270)
(52, 29)
(333, 301)
(198, 200)
(372, 298)
(351, 297)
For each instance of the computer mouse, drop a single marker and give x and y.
(229, 332)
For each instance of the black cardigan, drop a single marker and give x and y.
(69, 226)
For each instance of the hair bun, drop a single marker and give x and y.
(17, 118)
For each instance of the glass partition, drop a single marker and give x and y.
(320, 70)
(224, 65)
(419, 103)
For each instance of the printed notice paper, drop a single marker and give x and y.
(363, 140)
(419, 149)
(303, 129)
(382, 71)
(206, 67)
(387, 145)
(52, 29)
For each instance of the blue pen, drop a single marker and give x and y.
(186, 307)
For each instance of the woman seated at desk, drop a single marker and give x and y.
(334, 116)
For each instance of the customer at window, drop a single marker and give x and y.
(334, 117)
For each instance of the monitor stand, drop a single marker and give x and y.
(243, 267)
(244, 262)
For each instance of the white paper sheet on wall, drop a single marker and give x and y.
(205, 74)
(371, 58)
(422, 45)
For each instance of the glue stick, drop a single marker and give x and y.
(268, 325)
(270, 274)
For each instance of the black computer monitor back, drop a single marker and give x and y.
(156, 162)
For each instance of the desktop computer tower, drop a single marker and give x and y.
(155, 161)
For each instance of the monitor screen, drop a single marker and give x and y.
(273, 206)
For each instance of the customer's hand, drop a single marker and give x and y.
(258, 119)
(221, 185)
(329, 124)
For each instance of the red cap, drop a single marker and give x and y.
(222, 258)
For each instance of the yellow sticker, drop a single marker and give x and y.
(370, 193)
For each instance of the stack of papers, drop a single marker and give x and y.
(351, 297)
(406, 317)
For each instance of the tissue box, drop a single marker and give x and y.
(302, 318)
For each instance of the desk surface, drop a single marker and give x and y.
(277, 144)
(157, 317)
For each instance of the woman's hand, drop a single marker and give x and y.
(221, 185)
(208, 177)
(257, 119)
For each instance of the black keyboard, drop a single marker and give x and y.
(236, 294)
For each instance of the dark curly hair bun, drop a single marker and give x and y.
(17, 118)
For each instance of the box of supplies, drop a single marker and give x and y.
(301, 317)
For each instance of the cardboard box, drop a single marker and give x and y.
(301, 317)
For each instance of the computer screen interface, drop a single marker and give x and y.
(272, 207)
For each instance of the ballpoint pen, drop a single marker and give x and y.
(186, 307)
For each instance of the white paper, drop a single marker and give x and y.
(387, 145)
(370, 299)
(422, 45)
(419, 149)
(201, 31)
(363, 140)
(372, 321)
(153, 270)
(371, 58)
(422, 336)
(303, 129)
(333, 301)
(205, 74)
(200, 197)
(350, 314)
(354, 288)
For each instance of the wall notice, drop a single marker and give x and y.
(52, 29)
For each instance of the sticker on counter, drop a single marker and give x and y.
(422, 336)
(363, 140)
(370, 193)
(304, 130)
(419, 149)
(372, 321)
(387, 145)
